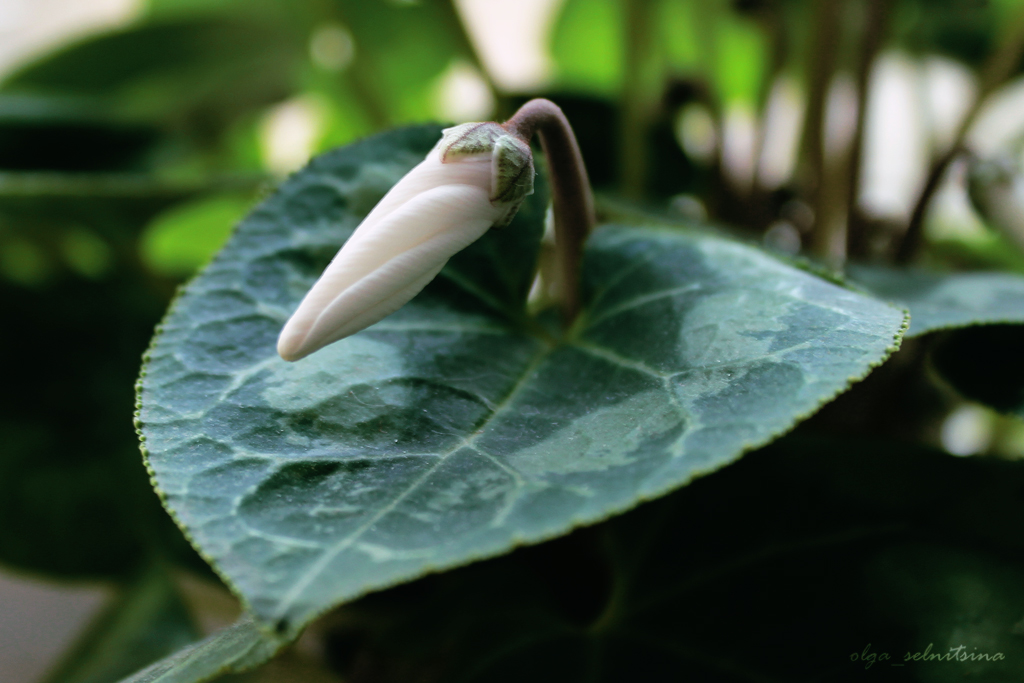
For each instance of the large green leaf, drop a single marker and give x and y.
(940, 301)
(457, 428)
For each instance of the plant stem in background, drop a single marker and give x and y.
(1000, 67)
(822, 68)
(773, 23)
(634, 104)
(876, 27)
(573, 202)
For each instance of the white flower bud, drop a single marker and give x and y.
(474, 178)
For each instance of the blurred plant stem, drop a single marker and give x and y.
(999, 68)
(821, 71)
(636, 106)
(773, 23)
(876, 28)
(48, 184)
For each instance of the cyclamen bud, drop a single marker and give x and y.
(476, 177)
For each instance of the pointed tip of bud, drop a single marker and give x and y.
(386, 263)
(290, 344)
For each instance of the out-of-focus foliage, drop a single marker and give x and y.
(126, 158)
(148, 620)
(684, 39)
(180, 240)
(963, 29)
(193, 73)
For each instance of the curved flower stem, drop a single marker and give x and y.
(573, 202)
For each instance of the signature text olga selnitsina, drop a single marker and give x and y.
(961, 653)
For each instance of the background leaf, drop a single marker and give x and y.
(940, 301)
(185, 237)
(588, 46)
(177, 71)
(953, 601)
(147, 621)
(983, 362)
(237, 648)
(399, 49)
(457, 428)
(70, 132)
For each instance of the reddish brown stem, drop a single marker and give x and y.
(573, 203)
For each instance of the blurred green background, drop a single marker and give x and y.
(135, 133)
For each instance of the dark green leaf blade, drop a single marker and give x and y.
(448, 432)
(939, 301)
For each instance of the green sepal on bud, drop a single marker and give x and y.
(468, 139)
(512, 169)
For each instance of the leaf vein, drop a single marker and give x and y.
(643, 300)
(320, 565)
